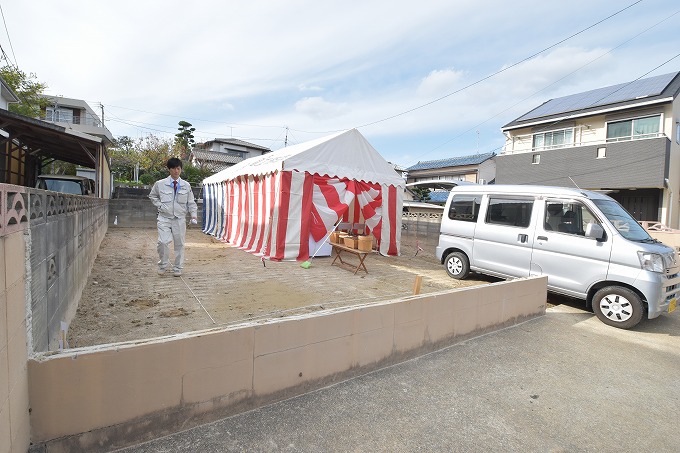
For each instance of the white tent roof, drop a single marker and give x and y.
(345, 155)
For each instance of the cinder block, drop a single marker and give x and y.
(374, 317)
(233, 381)
(15, 253)
(38, 282)
(16, 357)
(4, 377)
(5, 435)
(371, 346)
(270, 338)
(3, 319)
(19, 421)
(2, 264)
(16, 308)
(38, 330)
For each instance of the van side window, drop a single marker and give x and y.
(508, 211)
(567, 216)
(464, 207)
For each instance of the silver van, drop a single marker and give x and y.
(587, 245)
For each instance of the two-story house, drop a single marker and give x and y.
(477, 168)
(221, 153)
(76, 115)
(622, 139)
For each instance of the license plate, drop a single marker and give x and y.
(672, 305)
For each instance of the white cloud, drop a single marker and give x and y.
(319, 108)
(225, 65)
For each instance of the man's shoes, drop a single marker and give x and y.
(177, 273)
(161, 271)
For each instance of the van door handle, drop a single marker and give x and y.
(542, 238)
(522, 238)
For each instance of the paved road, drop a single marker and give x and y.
(562, 383)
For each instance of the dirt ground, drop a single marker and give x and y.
(124, 298)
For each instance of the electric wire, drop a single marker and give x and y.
(476, 126)
(441, 97)
(8, 38)
(501, 70)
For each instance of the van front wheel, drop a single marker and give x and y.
(457, 265)
(618, 306)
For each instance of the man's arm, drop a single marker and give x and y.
(155, 196)
(192, 207)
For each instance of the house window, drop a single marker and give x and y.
(677, 132)
(553, 139)
(633, 129)
(240, 154)
(601, 153)
(58, 115)
(536, 159)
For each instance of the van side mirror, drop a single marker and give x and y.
(595, 231)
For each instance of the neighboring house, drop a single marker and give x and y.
(221, 153)
(477, 168)
(400, 170)
(76, 115)
(622, 139)
(7, 95)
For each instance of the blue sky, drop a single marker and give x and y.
(264, 71)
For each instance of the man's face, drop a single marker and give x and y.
(175, 172)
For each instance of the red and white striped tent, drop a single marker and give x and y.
(283, 204)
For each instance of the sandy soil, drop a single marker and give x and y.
(125, 299)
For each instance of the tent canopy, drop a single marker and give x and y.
(283, 204)
(344, 155)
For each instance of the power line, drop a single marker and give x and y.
(16, 63)
(556, 81)
(501, 70)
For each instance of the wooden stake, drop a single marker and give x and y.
(417, 284)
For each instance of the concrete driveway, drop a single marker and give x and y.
(562, 383)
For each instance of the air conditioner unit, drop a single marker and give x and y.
(481, 181)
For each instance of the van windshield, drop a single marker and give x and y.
(623, 221)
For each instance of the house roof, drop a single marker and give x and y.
(235, 141)
(215, 156)
(49, 141)
(651, 90)
(217, 161)
(475, 159)
(438, 196)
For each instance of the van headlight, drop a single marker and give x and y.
(651, 261)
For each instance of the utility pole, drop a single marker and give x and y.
(102, 106)
(285, 142)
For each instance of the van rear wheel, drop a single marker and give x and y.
(618, 306)
(457, 265)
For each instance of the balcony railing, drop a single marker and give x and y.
(522, 143)
(86, 120)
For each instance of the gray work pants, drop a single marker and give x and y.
(171, 230)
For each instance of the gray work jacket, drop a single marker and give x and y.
(173, 205)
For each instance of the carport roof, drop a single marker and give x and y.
(49, 141)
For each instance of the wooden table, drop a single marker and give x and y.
(361, 254)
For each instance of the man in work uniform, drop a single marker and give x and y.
(173, 198)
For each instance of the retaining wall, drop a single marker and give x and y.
(136, 212)
(100, 398)
(14, 420)
(48, 243)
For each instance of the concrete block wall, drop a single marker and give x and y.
(14, 401)
(65, 233)
(136, 212)
(104, 397)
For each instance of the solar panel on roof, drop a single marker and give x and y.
(642, 88)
